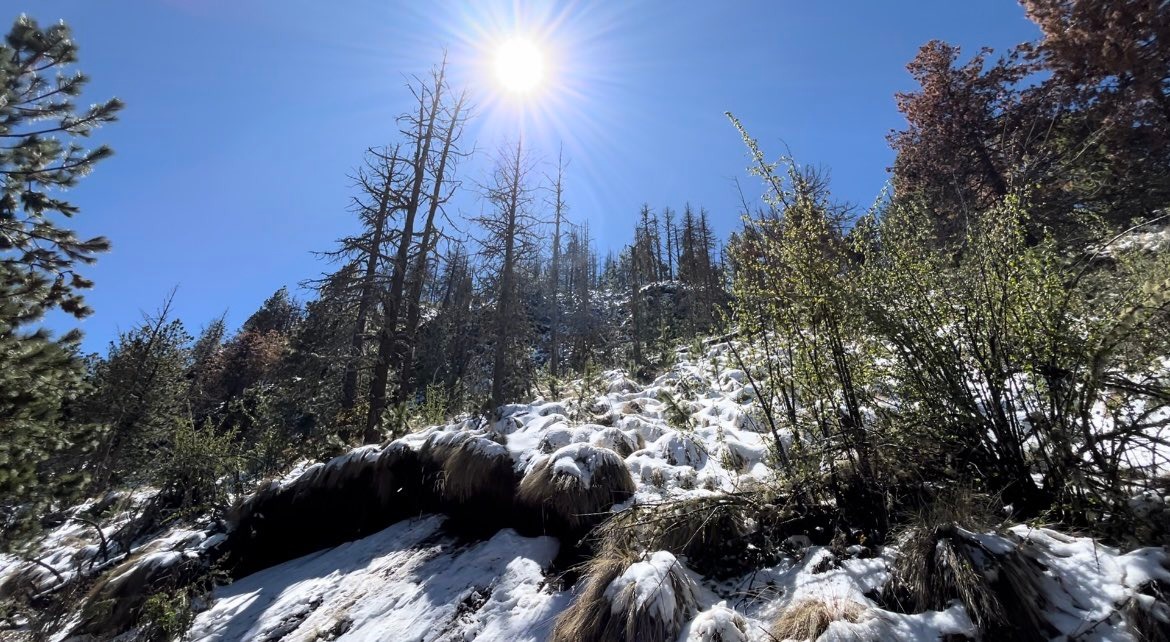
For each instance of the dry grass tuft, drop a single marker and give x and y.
(808, 619)
(569, 505)
(1147, 614)
(618, 441)
(347, 498)
(652, 610)
(995, 579)
(710, 533)
(396, 474)
(587, 617)
(479, 471)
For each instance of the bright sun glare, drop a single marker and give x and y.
(519, 65)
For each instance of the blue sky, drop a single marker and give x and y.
(244, 117)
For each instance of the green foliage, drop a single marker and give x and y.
(166, 616)
(140, 391)
(192, 472)
(991, 362)
(1002, 362)
(279, 313)
(1006, 352)
(396, 420)
(589, 388)
(677, 415)
(433, 410)
(38, 264)
(795, 297)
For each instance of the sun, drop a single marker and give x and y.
(519, 65)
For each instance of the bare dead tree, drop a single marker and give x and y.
(419, 129)
(508, 235)
(429, 241)
(559, 210)
(379, 184)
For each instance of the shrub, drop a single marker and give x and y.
(165, 616)
(1002, 353)
(192, 473)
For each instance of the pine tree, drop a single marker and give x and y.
(140, 391)
(40, 124)
(446, 343)
(201, 394)
(279, 313)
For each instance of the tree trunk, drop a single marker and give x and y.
(426, 246)
(503, 307)
(554, 364)
(357, 343)
(392, 302)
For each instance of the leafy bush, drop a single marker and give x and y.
(1013, 365)
(1000, 362)
(166, 616)
(192, 471)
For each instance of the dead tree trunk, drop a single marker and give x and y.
(426, 246)
(383, 190)
(554, 353)
(430, 102)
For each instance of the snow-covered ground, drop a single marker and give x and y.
(693, 433)
(410, 582)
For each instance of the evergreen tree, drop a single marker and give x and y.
(204, 353)
(310, 393)
(279, 313)
(40, 125)
(140, 391)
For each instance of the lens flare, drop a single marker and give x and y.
(519, 65)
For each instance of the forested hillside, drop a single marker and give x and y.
(940, 417)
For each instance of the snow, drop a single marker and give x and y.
(579, 460)
(74, 547)
(717, 623)
(652, 588)
(414, 581)
(407, 582)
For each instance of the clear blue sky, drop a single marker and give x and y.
(244, 117)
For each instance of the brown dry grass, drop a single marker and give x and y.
(698, 529)
(115, 601)
(939, 561)
(594, 617)
(565, 501)
(473, 473)
(1148, 620)
(808, 619)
